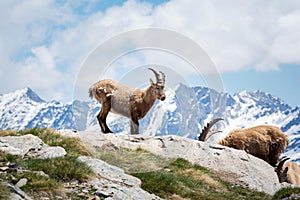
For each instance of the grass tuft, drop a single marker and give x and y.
(193, 182)
(61, 169)
(5, 157)
(288, 193)
(180, 164)
(4, 194)
(132, 161)
(73, 146)
(57, 170)
(38, 183)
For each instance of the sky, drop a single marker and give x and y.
(253, 45)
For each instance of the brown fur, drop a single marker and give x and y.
(265, 142)
(293, 175)
(131, 103)
(288, 171)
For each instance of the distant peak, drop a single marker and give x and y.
(32, 95)
(262, 98)
(28, 93)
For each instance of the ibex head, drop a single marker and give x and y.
(158, 87)
(282, 173)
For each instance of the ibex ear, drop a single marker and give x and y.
(151, 81)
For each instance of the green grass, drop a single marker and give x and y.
(5, 157)
(181, 164)
(59, 170)
(73, 146)
(38, 184)
(4, 192)
(131, 161)
(163, 177)
(167, 177)
(287, 192)
(192, 181)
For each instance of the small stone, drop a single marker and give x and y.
(4, 169)
(167, 170)
(41, 173)
(13, 178)
(12, 164)
(109, 146)
(93, 198)
(22, 182)
(81, 194)
(103, 194)
(85, 191)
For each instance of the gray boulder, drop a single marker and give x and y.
(244, 169)
(29, 146)
(113, 183)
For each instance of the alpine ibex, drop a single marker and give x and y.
(288, 171)
(265, 142)
(125, 101)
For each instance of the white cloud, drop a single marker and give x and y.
(286, 45)
(39, 70)
(44, 39)
(235, 35)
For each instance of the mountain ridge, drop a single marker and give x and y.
(185, 111)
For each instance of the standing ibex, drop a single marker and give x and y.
(131, 103)
(265, 142)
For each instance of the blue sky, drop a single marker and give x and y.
(283, 83)
(254, 45)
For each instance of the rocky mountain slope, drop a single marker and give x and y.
(183, 113)
(234, 166)
(108, 181)
(246, 170)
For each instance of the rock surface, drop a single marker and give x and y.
(113, 183)
(22, 182)
(29, 146)
(17, 194)
(245, 169)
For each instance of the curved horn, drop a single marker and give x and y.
(163, 77)
(206, 130)
(280, 163)
(282, 173)
(156, 75)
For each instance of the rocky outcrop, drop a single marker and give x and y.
(112, 182)
(29, 146)
(237, 165)
(17, 193)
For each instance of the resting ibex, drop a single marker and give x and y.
(131, 103)
(265, 142)
(288, 171)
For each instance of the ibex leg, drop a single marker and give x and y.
(134, 126)
(102, 117)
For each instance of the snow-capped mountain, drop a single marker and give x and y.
(184, 112)
(23, 109)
